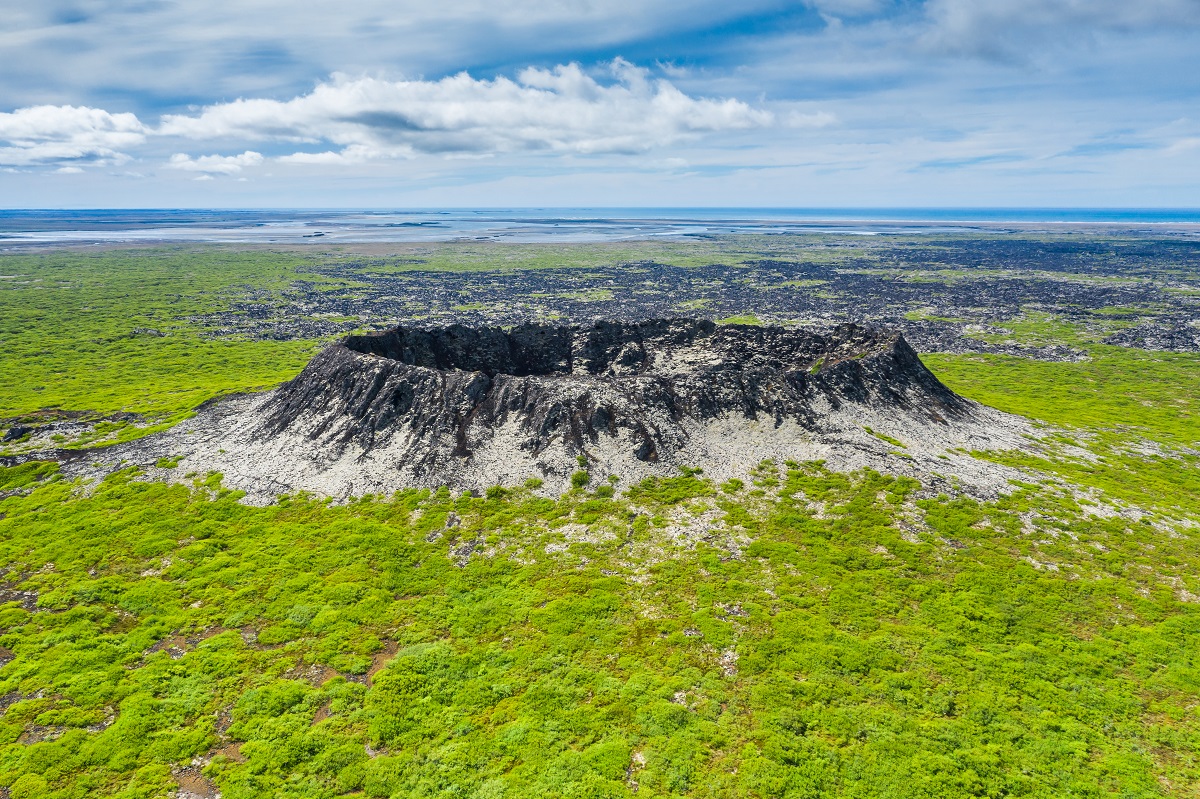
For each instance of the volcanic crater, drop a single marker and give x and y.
(472, 407)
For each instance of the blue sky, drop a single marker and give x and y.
(824, 103)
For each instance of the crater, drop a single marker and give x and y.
(474, 407)
(608, 348)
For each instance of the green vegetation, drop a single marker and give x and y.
(879, 647)
(108, 332)
(743, 319)
(489, 257)
(925, 316)
(1041, 329)
(895, 442)
(1132, 419)
(798, 633)
(1153, 395)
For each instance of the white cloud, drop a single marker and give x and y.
(353, 154)
(1185, 145)
(67, 135)
(560, 110)
(153, 49)
(816, 119)
(346, 121)
(215, 164)
(1008, 29)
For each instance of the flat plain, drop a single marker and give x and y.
(798, 632)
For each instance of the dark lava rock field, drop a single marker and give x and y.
(959, 294)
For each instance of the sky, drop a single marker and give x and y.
(600, 103)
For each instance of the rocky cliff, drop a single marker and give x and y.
(474, 407)
(446, 392)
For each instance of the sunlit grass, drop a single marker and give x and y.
(861, 643)
(799, 633)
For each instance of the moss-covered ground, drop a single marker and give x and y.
(116, 332)
(817, 634)
(1131, 418)
(800, 633)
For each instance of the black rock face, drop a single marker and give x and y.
(433, 397)
(522, 351)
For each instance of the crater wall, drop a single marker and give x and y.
(475, 407)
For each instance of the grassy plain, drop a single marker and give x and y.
(1131, 419)
(109, 332)
(804, 633)
(858, 642)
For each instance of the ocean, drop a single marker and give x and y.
(286, 226)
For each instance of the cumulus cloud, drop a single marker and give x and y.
(215, 164)
(346, 121)
(65, 135)
(560, 110)
(353, 154)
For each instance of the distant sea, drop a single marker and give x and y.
(19, 227)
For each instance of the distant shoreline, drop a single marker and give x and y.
(108, 227)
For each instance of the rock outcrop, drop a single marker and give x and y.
(446, 392)
(473, 407)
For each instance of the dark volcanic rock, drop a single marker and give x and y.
(450, 391)
(477, 407)
(1182, 336)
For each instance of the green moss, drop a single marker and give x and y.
(835, 652)
(66, 326)
(883, 437)
(811, 634)
(743, 319)
(925, 316)
(1155, 395)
